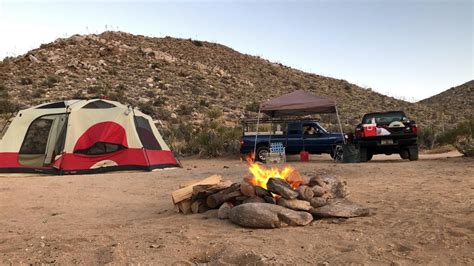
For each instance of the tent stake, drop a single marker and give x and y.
(340, 125)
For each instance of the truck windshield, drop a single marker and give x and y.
(383, 118)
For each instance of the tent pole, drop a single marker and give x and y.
(340, 125)
(256, 135)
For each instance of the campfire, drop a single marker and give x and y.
(269, 197)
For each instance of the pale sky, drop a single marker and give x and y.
(407, 49)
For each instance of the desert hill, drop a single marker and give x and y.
(178, 81)
(459, 99)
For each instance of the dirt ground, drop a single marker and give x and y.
(424, 214)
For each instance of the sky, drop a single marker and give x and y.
(409, 49)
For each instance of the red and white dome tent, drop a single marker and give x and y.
(83, 136)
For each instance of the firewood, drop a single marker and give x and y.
(214, 200)
(185, 206)
(199, 206)
(269, 199)
(316, 181)
(317, 202)
(203, 191)
(337, 187)
(305, 193)
(281, 187)
(188, 183)
(261, 192)
(241, 198)
(186, 192)
(247, 189)
(294, 204)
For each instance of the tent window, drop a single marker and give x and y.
(53, 105)
(37, 136)
(145, 133)
(101, 148)
(98, 105)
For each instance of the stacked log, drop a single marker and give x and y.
(317, 197)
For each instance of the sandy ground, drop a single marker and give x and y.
(424, 214)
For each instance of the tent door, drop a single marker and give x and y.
(45, 138)
(56, 139)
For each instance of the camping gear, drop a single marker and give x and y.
(83, 136)
(370, 130)
(277, 153)
(304, 156)
(298, 103)
(350, 153)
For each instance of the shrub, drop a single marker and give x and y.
(26, 81)
(184, 110)
(50, 81)
(252, 107)
(39, 93)
(465, 145)
(147, 108)
(214, 113)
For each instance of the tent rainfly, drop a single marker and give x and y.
(83, 136)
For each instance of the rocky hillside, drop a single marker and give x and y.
(459, 100)
(178, 81)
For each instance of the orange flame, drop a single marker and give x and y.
(261, 174)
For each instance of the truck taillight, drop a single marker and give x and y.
(242, 141)
(359, 132)
(414, 129)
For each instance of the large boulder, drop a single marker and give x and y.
(264, 215)
(340, 208)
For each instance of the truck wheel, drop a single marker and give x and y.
(413, 152)
(337, 153)
(404, 154)
(365, 155)
(262, 153)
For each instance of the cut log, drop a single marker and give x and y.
(294, 204)
(203, 191)
(188, 183)
(186, 192)
(305, 193)
(230, 193)
(264, 215)
(185, 206)
(340, 208)
(199, 206)
(224, 210)
(281, 187)
(269, 199)
(247, 189)
(317, 202)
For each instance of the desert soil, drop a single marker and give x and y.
(424, 214)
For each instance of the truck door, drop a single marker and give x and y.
(294, 143)
(314, 139)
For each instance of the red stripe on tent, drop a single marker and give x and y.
(9, 159)
(124, 157)
(110, 132)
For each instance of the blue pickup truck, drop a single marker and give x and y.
(296, 136)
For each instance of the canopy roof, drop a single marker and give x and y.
(298, 103)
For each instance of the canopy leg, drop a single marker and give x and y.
(256, 135)
(340, 125)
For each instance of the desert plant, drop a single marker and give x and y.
(26, 81)
(465, 145)
(50, 81)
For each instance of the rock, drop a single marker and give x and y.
(264, 215)
(224, 210)
(318, 191)
(294, 204)
(281, 187)
(317, 202)
(174, 116)
(254, 199)
(247, 189)
(261, 192)
(336, 187)
(33, 59)
(149, 80)
(305, 193)
(316, 181)
(340, 208)
(269, 199)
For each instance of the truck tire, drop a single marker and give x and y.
(262, 152)
(413, 152)
(365, 155)
(337, 153)
(404, 154)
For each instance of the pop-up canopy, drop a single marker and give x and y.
(298, 103)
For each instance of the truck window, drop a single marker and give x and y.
(294, 129)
